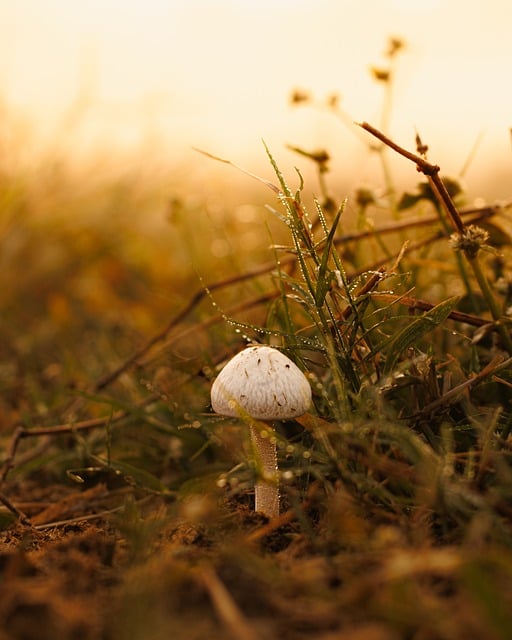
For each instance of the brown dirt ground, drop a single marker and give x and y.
(147, 573)
(112, 564)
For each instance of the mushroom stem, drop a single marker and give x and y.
(266, 489)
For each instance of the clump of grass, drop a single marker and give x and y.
(365, 357)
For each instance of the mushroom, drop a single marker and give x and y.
(262, 383)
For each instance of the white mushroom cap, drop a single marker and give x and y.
(263, 382)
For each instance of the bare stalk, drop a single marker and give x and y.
(266, 488)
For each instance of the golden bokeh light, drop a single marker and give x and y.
(218, 74)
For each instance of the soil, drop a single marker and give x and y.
(108, 563)
(111, 563)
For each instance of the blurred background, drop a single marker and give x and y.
(133, 80)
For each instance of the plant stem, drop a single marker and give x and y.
(491, 300)
(266, 489)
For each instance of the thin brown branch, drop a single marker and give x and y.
(439, 188)
(423, 305)
(219, 317)
(429, 170)
(475, 215)
(161, 336)
(70, 427)
(21, 433)
(85, 518)
(425, 167)
(24, 519)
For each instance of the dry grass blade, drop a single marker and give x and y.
(226, 608)
(247, 173)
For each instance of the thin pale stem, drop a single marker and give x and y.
(267, 488)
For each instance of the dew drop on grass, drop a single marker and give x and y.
(287, 476)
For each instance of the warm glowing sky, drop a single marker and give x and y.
(217, 73)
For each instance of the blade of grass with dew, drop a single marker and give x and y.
(418, 329)
(323, 283)
(283, 299)
(340, 273)
(293, 205)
